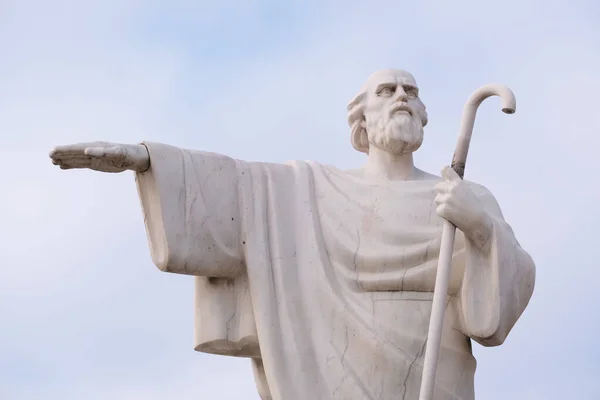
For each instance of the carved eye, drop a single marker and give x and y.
(386, 91)
(411, 91)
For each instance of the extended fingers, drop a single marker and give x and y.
(77, 149)
(100, 156)
(73, 162)
(71, 156)
(67, 151)
(66, 159)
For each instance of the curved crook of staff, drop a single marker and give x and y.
(459, 160)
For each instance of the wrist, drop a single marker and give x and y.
(141, 158)
(480, 233)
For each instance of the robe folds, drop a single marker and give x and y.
(325, 280)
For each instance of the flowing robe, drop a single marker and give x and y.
(325, 280)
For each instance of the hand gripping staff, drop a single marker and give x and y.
(436, 321)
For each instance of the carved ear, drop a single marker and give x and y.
(359, 138)
(356, 120)
(356, 109)
(356, 101)
(356, 115)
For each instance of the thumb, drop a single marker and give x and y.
(449, 174)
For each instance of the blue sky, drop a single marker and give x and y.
(84, 314)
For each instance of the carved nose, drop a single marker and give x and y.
(402, 97)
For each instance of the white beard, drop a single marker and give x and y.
(399, 134)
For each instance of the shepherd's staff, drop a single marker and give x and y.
(440, 291)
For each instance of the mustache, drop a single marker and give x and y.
(400, 107)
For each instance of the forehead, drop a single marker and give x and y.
(390, 76)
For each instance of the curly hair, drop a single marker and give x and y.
(356, 120)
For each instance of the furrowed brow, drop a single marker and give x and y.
(389, 84)
(410, 86)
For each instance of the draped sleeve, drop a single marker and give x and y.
(498, 281)
(190, 202)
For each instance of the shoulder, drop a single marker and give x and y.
(486, 196)
(479, 189)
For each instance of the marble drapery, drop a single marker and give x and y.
(325, 280)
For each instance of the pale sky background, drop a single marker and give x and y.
(84, 314)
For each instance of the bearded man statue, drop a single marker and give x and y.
(322, 277)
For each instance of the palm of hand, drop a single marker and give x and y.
(101, 156)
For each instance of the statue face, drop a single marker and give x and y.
(393, 112)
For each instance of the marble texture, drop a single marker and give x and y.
(323, 278)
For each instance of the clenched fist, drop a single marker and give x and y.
(102, 156)
(457, 203)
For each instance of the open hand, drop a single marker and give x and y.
(102, 156)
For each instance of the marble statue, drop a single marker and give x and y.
(323, 277)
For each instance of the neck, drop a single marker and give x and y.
(384, 165)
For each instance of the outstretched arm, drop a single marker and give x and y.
(102, 156)
(189, 200)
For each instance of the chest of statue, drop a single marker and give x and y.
(382, 237)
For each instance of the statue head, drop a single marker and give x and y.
(387, 113)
